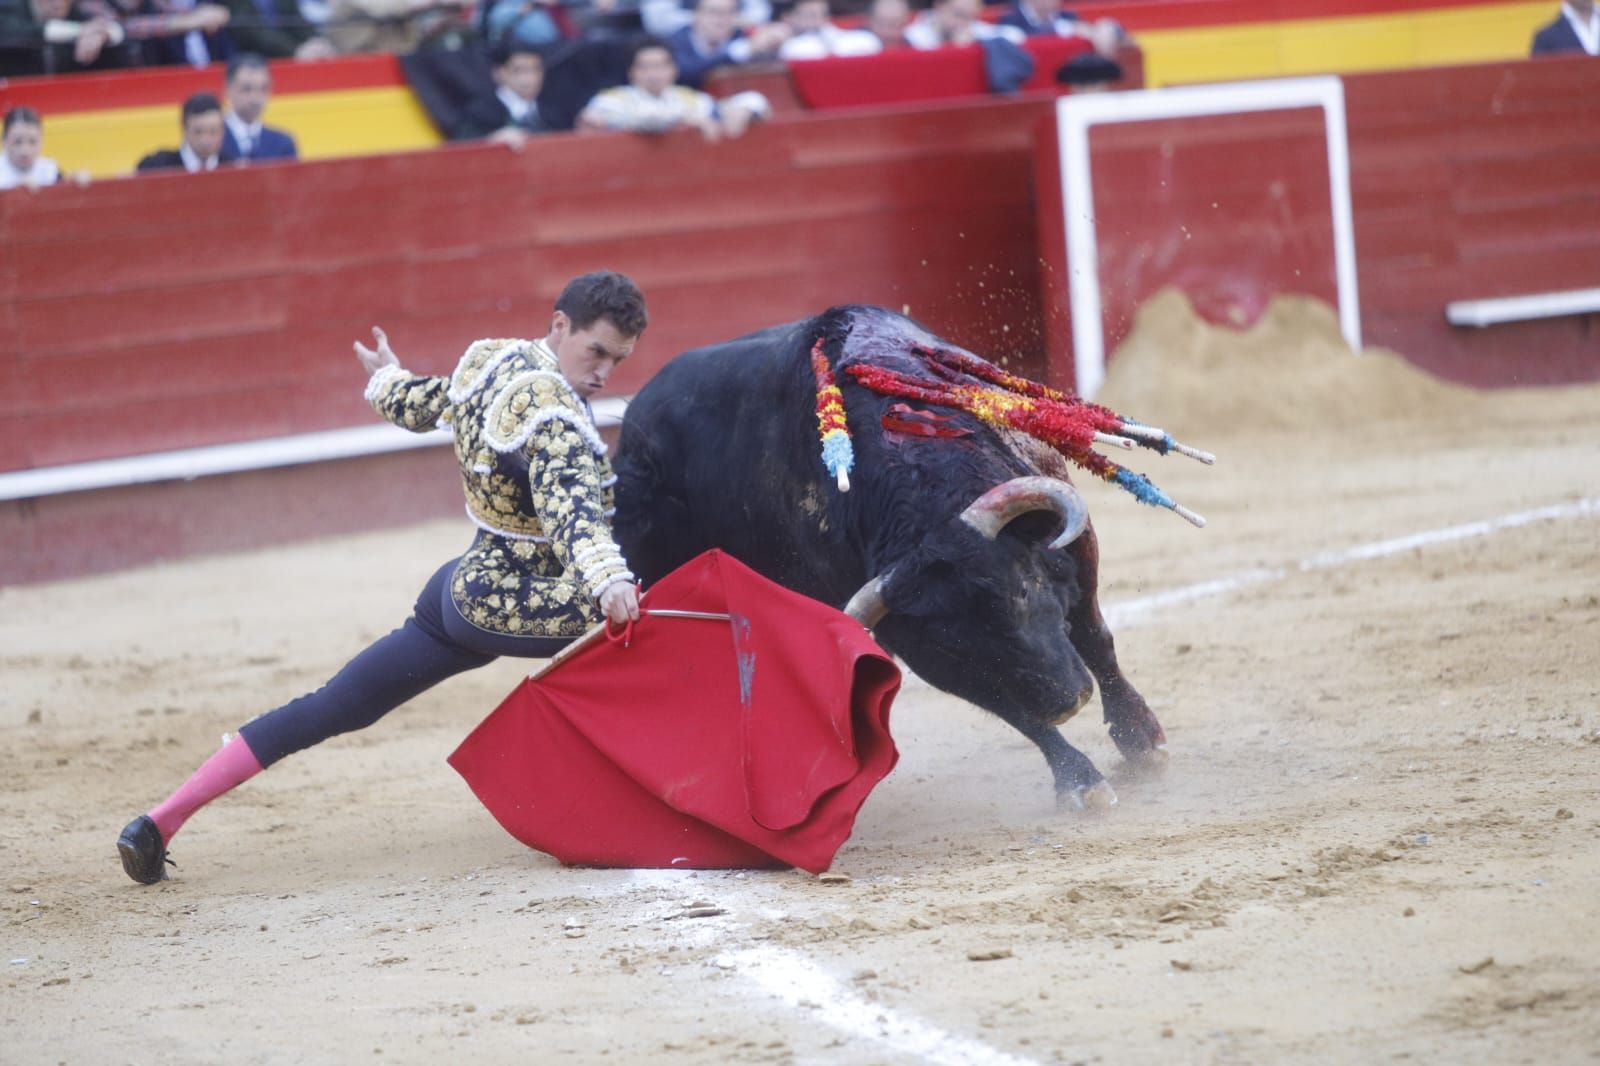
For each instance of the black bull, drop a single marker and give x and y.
(721, 450)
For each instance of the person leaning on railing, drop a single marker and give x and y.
(60, 37)
(397, 25)
(276, 29)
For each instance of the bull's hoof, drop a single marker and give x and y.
(1099, 796)
(1151, 762)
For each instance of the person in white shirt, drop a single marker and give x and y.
(651, 103)
(955, 22)
(249, 87)
(663, 18)
(22, 165)
(812, 36)
(202, 147)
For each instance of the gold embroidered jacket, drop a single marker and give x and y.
(537, 483)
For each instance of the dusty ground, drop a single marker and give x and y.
(1379, 837)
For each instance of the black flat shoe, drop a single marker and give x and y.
(144, 856)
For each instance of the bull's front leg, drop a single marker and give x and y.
(1134, 728)
(1079, 785)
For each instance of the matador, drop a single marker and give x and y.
(542, 568)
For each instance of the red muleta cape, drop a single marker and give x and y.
(699, 744)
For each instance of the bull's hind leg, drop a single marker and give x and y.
(1079, 786)
(1134, 728)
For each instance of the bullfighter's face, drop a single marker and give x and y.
(588, 356)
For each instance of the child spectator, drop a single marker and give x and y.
(22, 164)
(511, 114)
(276, 29)
(202, 147)
(652, 103)
(812, 36)
(249, 87)
(1576, 29)
(714, 39)
(955, 22)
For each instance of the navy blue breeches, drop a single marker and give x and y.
(433, 644)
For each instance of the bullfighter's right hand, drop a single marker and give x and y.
(376, 359)
(620, 603)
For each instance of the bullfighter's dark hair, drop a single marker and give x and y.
(21, 114)
(604, 294)
(200, 104)
(244, 61)
(646, 42)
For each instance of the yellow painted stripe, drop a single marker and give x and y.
(327, 125)
(1343, 45)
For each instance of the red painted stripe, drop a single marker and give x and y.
(170, 85)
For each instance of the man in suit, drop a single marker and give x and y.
(202, 147)
(1576, 29)
(249, 85)
(1039, 18)
(511, 113)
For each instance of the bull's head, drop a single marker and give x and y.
(989, 615)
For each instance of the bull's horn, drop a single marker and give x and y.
(867, 606)
(995, 509)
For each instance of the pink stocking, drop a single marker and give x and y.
(227, 769)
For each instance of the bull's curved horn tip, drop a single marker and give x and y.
(1189, 516)
(843, 480)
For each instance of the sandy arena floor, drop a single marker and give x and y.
(1379, 838)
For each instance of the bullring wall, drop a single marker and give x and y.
(176, 311)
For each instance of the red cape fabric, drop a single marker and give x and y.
(700, 744)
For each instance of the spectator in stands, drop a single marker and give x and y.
(249, 87)
(526, 22)
(397, 25)
(202, 147)
(652, 103)
(511, 115)
(663, 18)
(176, 32)
(21, 163)
(1576, 29)
(59, 37)
(812, 36)
(276, 29)
(714, 39)
(955, 22)
(1039, 18)
(887, 20)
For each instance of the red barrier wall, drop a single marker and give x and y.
(184, 310)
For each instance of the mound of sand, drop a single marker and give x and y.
(1291, 370)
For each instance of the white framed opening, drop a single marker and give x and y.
(1076, 114)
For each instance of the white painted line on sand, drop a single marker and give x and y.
(802, 984)
(1132, 612)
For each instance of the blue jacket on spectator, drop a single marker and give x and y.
(694, 65)
(1021, 18)
(272, 144)
(1557, 37)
